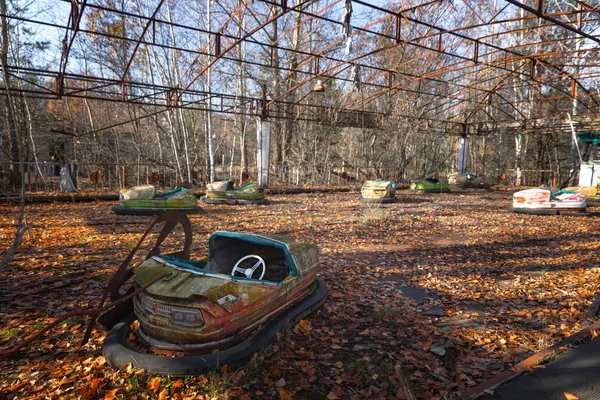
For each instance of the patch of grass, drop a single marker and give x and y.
(86, 240)
(345, 356)
(382, 375)
(258, 369)
(374, 213)
(360, 364)
(73, 321)
(216, 387)
(37, 326)
(360, 233)
(310, 395)
(381, 313)
(133, 386)
(284, 335)
(10, 333)
(97, 277)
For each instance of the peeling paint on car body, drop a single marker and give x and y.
(194, 287)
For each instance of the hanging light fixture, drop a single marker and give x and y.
(319, 87)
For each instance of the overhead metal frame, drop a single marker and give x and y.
(460, 72)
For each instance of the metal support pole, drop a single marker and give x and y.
(462, 155)
(263, 141)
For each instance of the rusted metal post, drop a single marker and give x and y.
(462, 155)
(218, 44)
(263, 141)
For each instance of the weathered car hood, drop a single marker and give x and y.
(186, 285)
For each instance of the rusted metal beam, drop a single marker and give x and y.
(454, 55)
(484, 67)
(239, 40)
(555, 21)
(138, 42)
(75, 18)
(261, 44)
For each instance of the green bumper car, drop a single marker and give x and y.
(143, 200)
(379, 191)
(430, 185)
(224, 193)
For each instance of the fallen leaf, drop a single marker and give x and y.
(280, 383)
(570, 396)
(304, 324)
(95, 383)
(177, 384)
(163, 394)
(110, 394)
(154, 384)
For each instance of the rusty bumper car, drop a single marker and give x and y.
(143, 200)
(464, 181)
(379, 191)
(224, 193)
(217, 310)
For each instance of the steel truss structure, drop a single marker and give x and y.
(462, 67)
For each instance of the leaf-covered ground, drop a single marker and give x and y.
(501, 287)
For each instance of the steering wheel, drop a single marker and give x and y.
(248, 272)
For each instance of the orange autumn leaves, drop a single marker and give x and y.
(531, 277)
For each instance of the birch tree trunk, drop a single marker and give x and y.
(152, 79)
(241, 119)
(519, 137)
(11, 119)
(211, 158)
(574, 153)
(179, 112)
(289, 123)
(15, 139)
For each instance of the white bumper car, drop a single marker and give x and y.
(544, 202)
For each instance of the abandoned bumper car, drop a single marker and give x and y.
(544, 202)
(592, 197)
(143, 200)
(379, 191)
(224, 193)
(215, 311)
(428, 184)
(465, 180)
